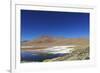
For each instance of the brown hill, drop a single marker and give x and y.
(45, 41)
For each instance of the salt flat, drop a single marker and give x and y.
(55, 49)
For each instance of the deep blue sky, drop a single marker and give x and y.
(62, 24)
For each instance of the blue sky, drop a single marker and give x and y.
(64, 24)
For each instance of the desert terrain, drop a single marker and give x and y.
(55, 49)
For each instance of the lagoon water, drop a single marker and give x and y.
(48, 53)
(30, 56)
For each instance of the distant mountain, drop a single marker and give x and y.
(24, 41)
(45, 41)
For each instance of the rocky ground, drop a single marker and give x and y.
(77, 54)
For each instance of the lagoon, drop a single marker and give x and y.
(48, 53)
